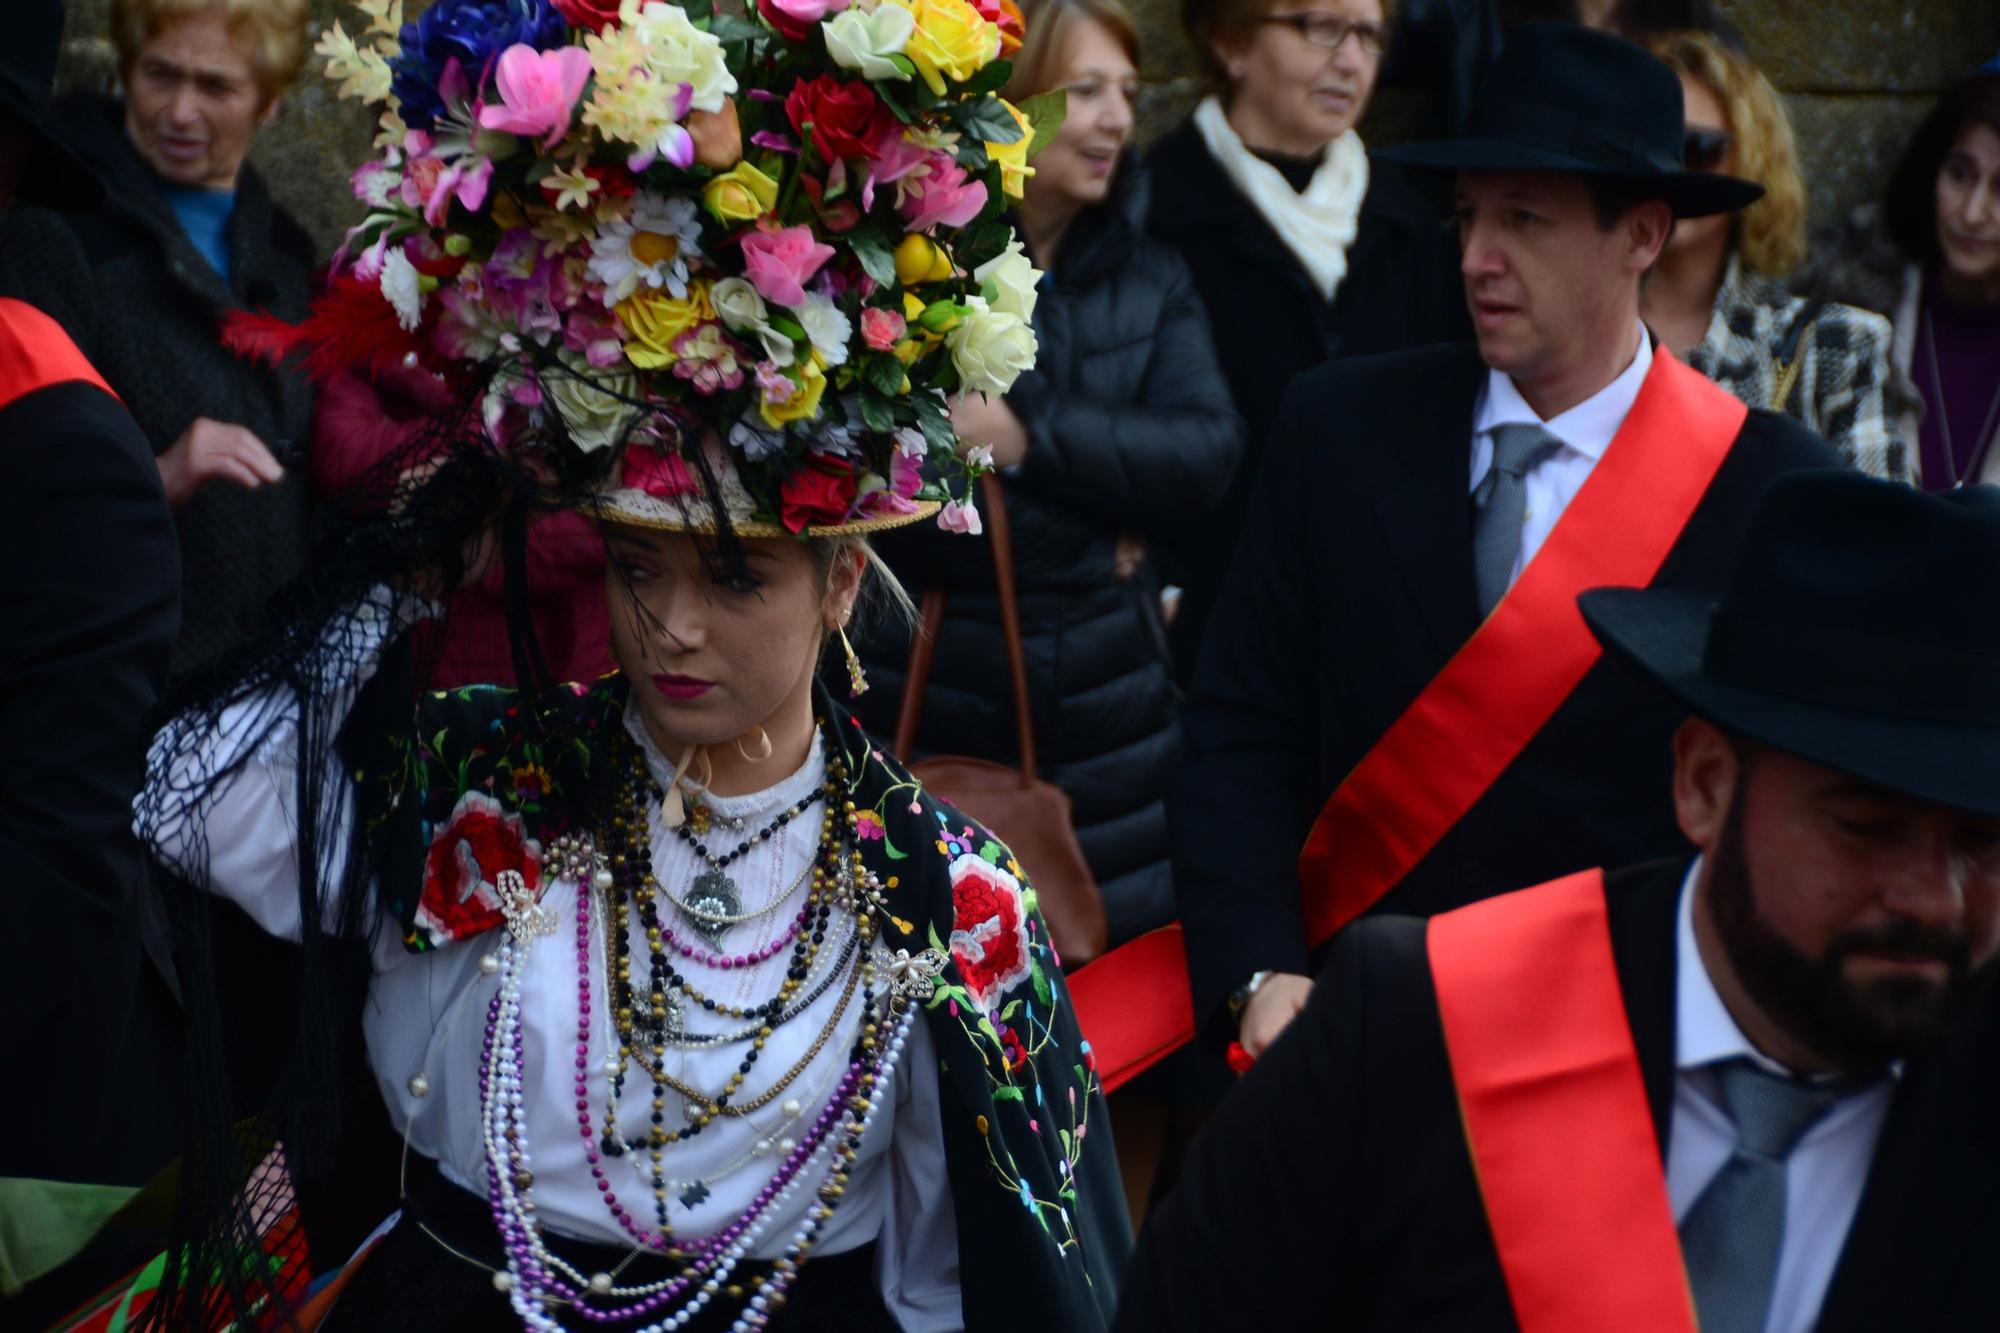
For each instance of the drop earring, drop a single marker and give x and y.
(857, 680)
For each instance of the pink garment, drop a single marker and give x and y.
(358, 422)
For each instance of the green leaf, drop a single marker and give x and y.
(990, 78)
(890, 848)
(730, 28)
(992, 852)
(932, 421)
(1007, 1092)
(986, 1026)
(971, 154)
(1063, 1134)
(884, 374)
(876, 413)
(1047, 112)
(986, 120)
(1042, 991)
(980, 242)
(877, 259)
(932, 935)
(1007, 1014)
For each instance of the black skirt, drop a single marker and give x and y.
(412, 1282)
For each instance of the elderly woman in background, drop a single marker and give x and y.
(1303, 248)
(1717, 298)
(188, 232)
(1928, 256)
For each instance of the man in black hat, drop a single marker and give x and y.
(89, 579)
(1397, 652)
(1765, 1079)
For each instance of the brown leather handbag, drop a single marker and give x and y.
(1031, 816)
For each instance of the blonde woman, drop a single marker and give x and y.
(1717, 298)
(188, 232)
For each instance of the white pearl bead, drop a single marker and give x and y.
(785, 1146)
(503, 1281)
(419, 1086)
(489, 964)
(602, 879)
(611, 1067)
(791, 1108)
(600, 1283)
(764, 1147)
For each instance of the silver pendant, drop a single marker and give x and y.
(712, 899)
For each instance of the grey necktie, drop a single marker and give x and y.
(1502, 500)
(1733, 1235)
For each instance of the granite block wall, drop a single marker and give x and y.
(1856, 73)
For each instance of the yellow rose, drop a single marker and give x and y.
(920, 259)
(653, 319)
(742, 194)
(1013, 157)
(951, 41)
(803, 405)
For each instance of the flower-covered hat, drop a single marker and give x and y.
(721, 270)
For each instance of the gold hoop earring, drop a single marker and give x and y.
(763, 747)
(857, 679)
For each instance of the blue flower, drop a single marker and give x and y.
(1027, 1196)
(473, 32)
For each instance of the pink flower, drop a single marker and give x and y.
(431, 182)
(942, 195)
(596, 333)
(955, 517)
(868, 826)
(794, 18)
(882, 329)
(780, 263)
(774, 384)
(538, 89)
(894, 158)
(661, 475)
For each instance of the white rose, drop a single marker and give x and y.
(678, 52)
(742, 311)
(990, 348)
(1010, 280)
(865, 42)
(593, 404)
(826, 328)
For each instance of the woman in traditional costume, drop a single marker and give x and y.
(690, 1007)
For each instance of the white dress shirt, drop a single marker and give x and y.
(1585, 430)
(427, 1013)
(1823, 1175)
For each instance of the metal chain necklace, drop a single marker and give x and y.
(1981, 441)
(714, 902)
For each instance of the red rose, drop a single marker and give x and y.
(820, 492)
(596, 15)
(842, 118)
(989, 928)
(481, 839)
(660, 475)
(789, 28)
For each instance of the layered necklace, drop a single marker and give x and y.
(617, 887)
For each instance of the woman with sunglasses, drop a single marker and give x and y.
(1928, 256)
(1716, 297)
(1302, 246)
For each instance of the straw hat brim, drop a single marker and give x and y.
(610, 511)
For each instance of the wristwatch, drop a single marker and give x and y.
(1239, 999)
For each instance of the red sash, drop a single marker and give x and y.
(35, 353)
(1555, 1112)
(1474, 718)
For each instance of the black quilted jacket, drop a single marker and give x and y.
(1131, 429)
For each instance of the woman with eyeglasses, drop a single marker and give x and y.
(1717, 298)
(1928, 256)
(1302, 247)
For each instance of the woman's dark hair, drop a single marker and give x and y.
(1909, 208)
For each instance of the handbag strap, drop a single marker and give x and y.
(923, 645)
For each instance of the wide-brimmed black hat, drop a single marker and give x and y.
(1563, 97)
(30, 41)
(1858, 631)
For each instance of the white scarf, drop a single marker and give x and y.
(1318, 225)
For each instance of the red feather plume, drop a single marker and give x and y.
(350, 327)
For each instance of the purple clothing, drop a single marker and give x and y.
(1965, 342)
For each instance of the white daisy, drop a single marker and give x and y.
(651, 244)
(402, 289)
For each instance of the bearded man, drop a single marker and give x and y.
(1756, 1090)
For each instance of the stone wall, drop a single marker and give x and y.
(1857, 74)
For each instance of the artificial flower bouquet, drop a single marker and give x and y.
(764, 246)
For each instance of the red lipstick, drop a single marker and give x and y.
(682, 687)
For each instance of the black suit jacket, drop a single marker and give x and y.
(1349, 592)
(1333, 1190)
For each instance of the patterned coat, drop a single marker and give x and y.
(1042, 1226)
(1842, 391)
